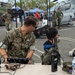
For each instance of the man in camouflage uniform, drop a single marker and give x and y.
(59, 16)
(20, 41)
(54, 22)
(7, 17)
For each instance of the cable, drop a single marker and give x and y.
(18, 68)
(14, 73)
(13, 67)
(22, 67)
(0, 68)
(2, 44)
(6, 72)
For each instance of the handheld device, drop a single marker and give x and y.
(18, 60)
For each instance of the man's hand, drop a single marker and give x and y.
(30, 54)
(5, 61)
(5, 58)
(3, 54)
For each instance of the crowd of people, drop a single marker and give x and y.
(55, 18)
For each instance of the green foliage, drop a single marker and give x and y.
(2, 9)
(42, 4)
(32, 3)
(18, 4)
(51, 4)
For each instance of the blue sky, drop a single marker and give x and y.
(19, 0)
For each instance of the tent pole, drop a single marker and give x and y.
(16, 16)
(47, 11)
(21, 8)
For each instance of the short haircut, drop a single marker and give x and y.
(51, 33)
(30, 20)
(8, 10)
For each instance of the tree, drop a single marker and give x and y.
(34, 3)
(52, 4)
(11, 1)
(42, 4)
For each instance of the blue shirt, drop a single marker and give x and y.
(47, 45)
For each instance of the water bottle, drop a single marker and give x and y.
(73, 66)
(54, 61)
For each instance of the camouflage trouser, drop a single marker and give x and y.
(8, 26)
(46, 58)
(59, 23)
(54, 23)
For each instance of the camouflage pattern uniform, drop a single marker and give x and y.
(46, 57)
(54, 19)
(18, 46)
(8, 21)
(59, 16)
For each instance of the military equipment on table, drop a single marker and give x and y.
(67, 66)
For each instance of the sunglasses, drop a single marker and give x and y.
(35, 27)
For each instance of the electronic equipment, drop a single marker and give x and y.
(12, 67)
(18, 60)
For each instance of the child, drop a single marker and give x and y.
(52, 35)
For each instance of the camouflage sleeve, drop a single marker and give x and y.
(7, 40)
(4, 15)
(32, 47)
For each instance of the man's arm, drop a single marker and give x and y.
(31, 48)
(3, 54)
(30, 54)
